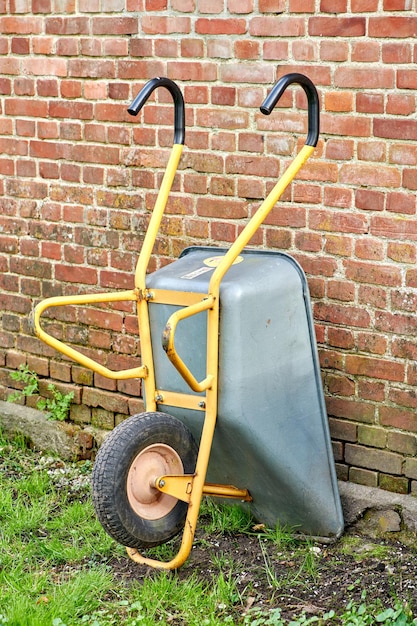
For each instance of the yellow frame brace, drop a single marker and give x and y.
(187, 488)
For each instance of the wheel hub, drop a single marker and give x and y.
(154, 461)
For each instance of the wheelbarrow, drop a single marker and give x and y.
(229, 360)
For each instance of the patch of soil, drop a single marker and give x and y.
(306, 577)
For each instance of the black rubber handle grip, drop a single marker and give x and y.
(145, 92)
(313, 102)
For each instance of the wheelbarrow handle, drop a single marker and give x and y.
(313, 102)
(145, 92)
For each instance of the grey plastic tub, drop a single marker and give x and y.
(272, 433)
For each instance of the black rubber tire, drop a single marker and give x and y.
(111, 469)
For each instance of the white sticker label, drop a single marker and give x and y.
(196, 273)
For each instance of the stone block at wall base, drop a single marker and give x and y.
(67, 440)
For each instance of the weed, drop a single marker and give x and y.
(30, 381)
(364, 614)
(282, 536)
(57, 406)
(220, 518)
(360, 550)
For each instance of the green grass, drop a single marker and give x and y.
(57, 565)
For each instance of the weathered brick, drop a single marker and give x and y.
(350, 409)
(398, 418)
(372, 436)
(402, 443)
(343, 430)
(375, 368)
(397, 484)
(363, 477)
(106, 400)
(336, 26)
(381, 460)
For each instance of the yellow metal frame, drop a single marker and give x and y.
(189, 488)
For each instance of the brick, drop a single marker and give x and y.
(30, 267)
(77, 110)
(91, 68)
(339, 101)
(402, 253)
(403, 154)
(301, 6)
(369, 249)
(236, 6)
(192, 70)
(363, 6)
(345, 125)
(101, 418)
(410, 468)
(395, 52)
(333, 6)
(277, 27)
(395, 323)
(361, 476)
(372, 436)
(372, 151)
(403, 105)
(350, 409)
(341, 290)
(365, 174)
(410, 179)
(332, 51)
(317, 266)
(337, 448)
(336, 26)
(153, 25)
(275, 50)
(369, 200)
(340, 338)
(402, 443)
(67, 25)
(396, 484)
(343, 430)
(385, 369)
(62, 387)
(366, 51)
(272, 6)
(246, 73)
(373, 343)
(21, 25)
(332, 221)
(371, 390)
(342, 471)
(114, 25)
(395, 129)
(230, 209)
(108, 401)
(403, 397)
(404, 300)
(392, 26)
(368, 458)
(247, 49)
(369, 103)
(363, 78)
(334, 197)
(219, 26)
(393, 227)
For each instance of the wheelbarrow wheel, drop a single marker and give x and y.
(139, 450)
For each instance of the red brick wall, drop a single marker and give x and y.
(78, 179)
